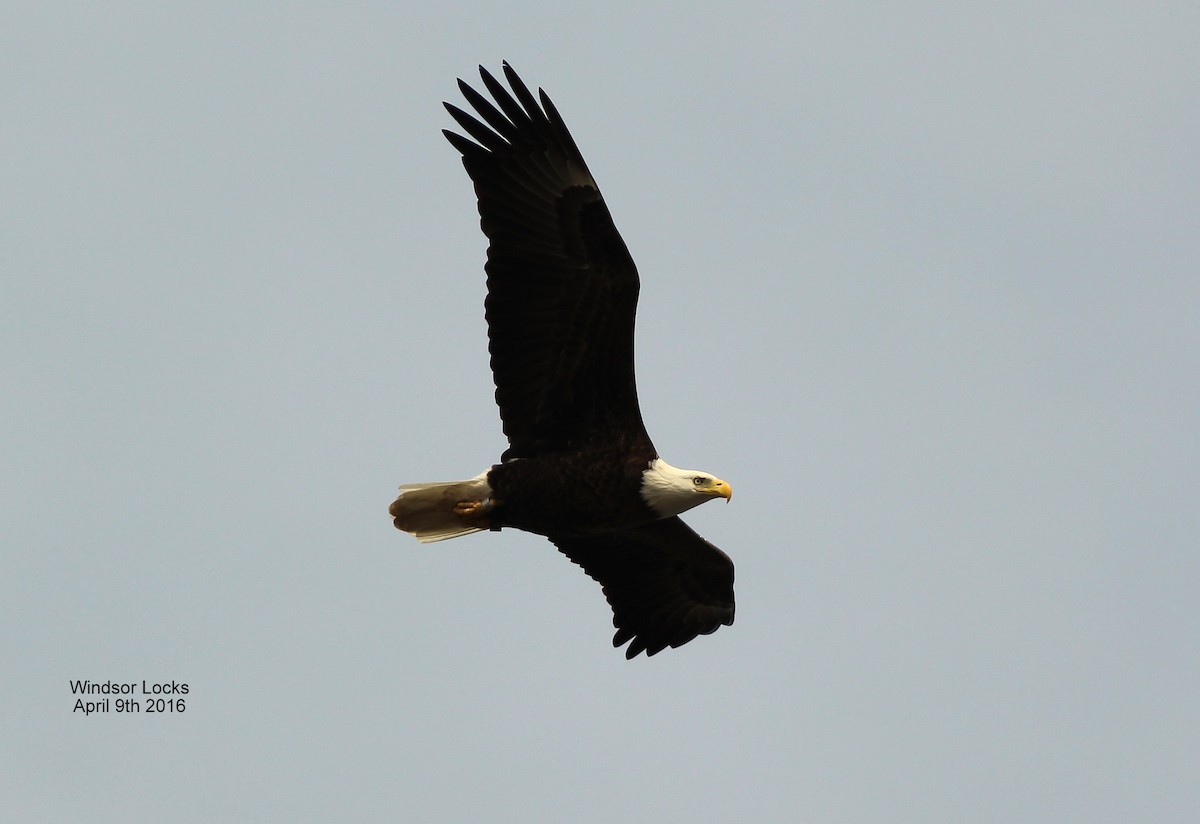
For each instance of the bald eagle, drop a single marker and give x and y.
(580, 469)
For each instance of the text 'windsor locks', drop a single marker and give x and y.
(128, 688)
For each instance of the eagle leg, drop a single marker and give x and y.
(471, 509)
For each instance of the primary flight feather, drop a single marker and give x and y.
(580, 468)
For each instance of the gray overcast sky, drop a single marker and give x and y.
(921, 284)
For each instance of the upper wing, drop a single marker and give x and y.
(665, 583)
(562, 288)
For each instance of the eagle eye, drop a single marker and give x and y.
(698, 480)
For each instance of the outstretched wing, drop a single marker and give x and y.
(665, 583)
(562, 288)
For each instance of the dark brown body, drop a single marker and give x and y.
(571, 494)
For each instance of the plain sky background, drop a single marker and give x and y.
(920, 280)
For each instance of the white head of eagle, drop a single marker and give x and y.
(670, 490)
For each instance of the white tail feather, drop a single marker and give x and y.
(427, 510)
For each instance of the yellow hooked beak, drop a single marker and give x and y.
(721, 489)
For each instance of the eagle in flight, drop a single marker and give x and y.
(580, 468)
